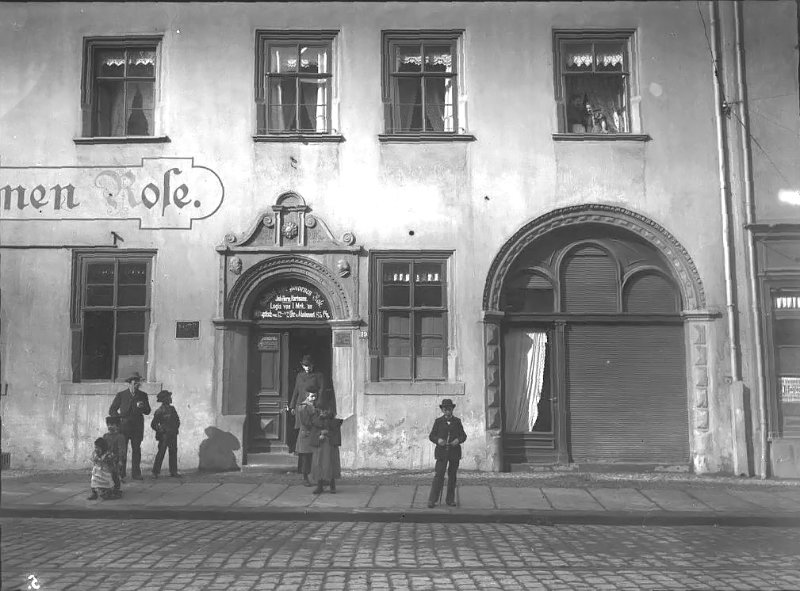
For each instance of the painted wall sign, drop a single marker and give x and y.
(160, 193)
(292, 301)
(269, 342)
(187, 330)
(342, 339)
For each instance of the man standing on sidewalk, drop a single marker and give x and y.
(448, 435)
(131, 405)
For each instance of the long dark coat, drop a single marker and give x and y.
(124, 406)
(305, 418)
(302, 382)
(449, 430)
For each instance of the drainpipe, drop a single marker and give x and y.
(750, 217)
(724, 174)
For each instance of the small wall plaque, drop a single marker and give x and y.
(342, 339)
(187, 330)
(269, 342)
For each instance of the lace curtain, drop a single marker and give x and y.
(525, 356)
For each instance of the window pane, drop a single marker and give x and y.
(430, 325)
(438, 58)
(99, 295)
(139, 108)
(110, 62)
(282, 104)
(610, 57)
(396, 285)
(578, 57)
(132, 295)
(314, 105)
(396, 324)
(98, 343)
(142, 62)
(130, 344)
(110, 108)
(408, 58)
(132, 273)
(439, 111)
(408, 104)
(597, 103)
(283, 58)
(131, 322)
(100, 273)
(428, 273)
(314, 60)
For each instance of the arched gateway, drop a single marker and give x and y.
(288, 288)
(586, 311)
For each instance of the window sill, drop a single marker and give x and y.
(124, 139)
(415, 388)
(601, 137)
(305, 138)
(103, 388)
(417, 138)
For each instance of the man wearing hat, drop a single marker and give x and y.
(448, 435)
(131, 405)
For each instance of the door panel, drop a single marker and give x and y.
(268, 400)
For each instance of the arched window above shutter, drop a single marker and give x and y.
(589, 282)
(649, 292)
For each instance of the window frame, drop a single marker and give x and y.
(264, 39)
(629, 38)
(378, 310)
(88, 84)
(393, 38)
(80, 263)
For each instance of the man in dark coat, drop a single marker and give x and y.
(131, 405)
(448, 435)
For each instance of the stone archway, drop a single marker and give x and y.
(685, 274)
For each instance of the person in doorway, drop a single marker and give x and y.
(448, 435)
(116, 447)
(306, 414)
(131, 405)
(305, 379)
(166, 424)
(326, 437)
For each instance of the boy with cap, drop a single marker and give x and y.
(166, 424)
(448, 435)
(116, 447)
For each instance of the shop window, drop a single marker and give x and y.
(410, 315)
(120, 86)
(594, 82)
(111, 315)
(294, 86)
(421, 84)
(529, 292)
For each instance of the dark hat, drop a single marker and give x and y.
(163, 395)
(307, 360)
(447, 403)
(134, 377)
(113, 420)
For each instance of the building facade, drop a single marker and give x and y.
(555, 214)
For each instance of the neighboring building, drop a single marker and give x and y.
(545, 211)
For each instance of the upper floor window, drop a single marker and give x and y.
(421, 85)
(294, 81)
(594, 81)
(410, 315)
(111, 314)
(119, 91)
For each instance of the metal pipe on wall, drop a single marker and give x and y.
(750, 217)
(724, 173)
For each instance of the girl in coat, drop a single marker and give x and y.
(326, 437)
(306, 412)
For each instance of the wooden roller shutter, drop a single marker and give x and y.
(627, 393)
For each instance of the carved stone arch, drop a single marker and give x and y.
(292, 266)
(683, 268)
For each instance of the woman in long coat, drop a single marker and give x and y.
(326, 437)
(306, 413)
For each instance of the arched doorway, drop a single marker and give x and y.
(588, 362)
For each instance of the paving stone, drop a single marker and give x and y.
(571, 499)
(475, 497)
(674, 500)
(387, 497)
(520, 498)
(261, 495)
(622, 499)
(224, 495)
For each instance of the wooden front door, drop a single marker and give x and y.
(269, 391)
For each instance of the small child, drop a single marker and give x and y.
(117, 447)
(102, 467)
(166, 424)
(448, 435)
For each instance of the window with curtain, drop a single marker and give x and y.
(295, 74)
(421, 81)
(594, 71)
(112, 315)
(120, 95)
(410, 311)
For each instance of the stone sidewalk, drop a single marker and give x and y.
(256, 498)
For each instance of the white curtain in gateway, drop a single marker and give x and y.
(525, 355)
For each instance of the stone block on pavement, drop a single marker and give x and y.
(508, 497)
(388, 497)
(571, 499)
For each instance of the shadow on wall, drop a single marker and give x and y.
(216, 452)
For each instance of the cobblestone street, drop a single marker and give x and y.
(128, 555)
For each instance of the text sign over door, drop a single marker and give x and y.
(160, 193)
(292, 301)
